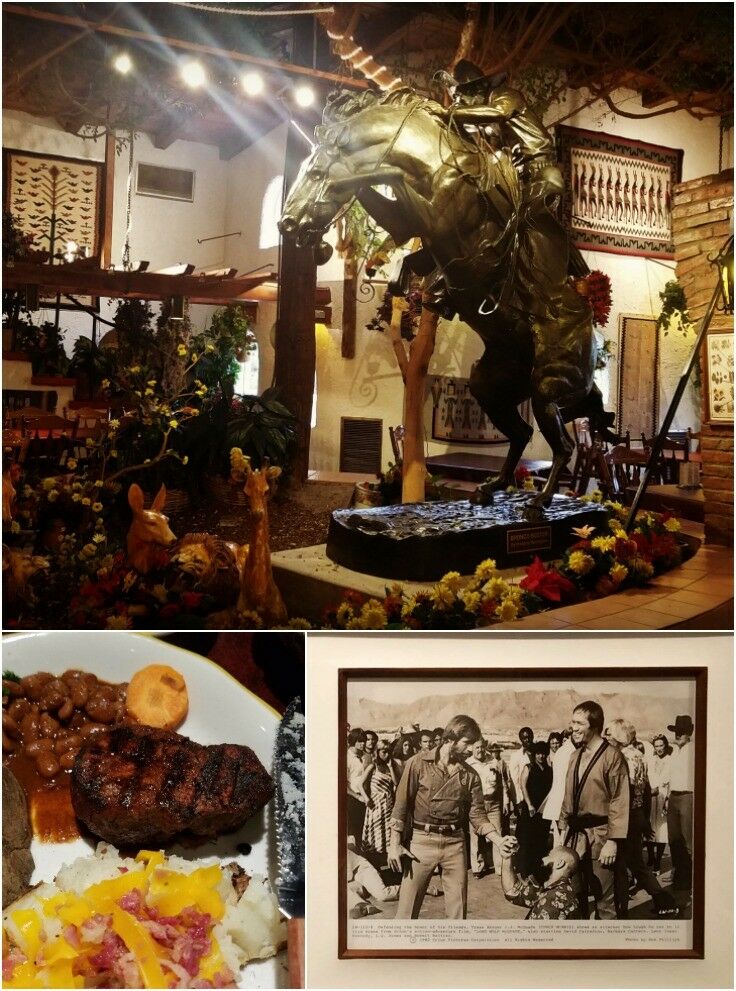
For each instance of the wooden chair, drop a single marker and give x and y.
(17, 417)
(625, 466)
(90, 423)
(51, 441)
(668, 470)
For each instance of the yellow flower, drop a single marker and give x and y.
(486, 569)
(603, 544)
(194, 356)
(114, 424)
(105, 383)
(442, 596)
(373, 615)
(472, 600)
(299, 623)
(529, 485)
(98, 483)
(642, 567)
(117, 623)
(173, 424)
(89, 442)
(408, 607)
(452, 580)
(98, 538)
(15, 527)
(151, 382)
(496, 588)
(53, 495)
(86, 501)
(134, 369)
(71, 463)
(181, 350)
(355, 623)
(584, 532)
(148, 392)
(48, 483)
(97, 507)
(618, 572)
(617, 508)
(209, 346)
(90, 550)
(160, 593)
(616, 528)
(672, 525)
(185, 459)
(344, 614)
(113, 454)
(507, 611)
(76, 497)
(580, 562)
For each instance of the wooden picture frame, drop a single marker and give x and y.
(618, 192)
(73, 187)
(550, 945)
(719, 378)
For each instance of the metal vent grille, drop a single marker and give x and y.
(170, 184)
(360, 445)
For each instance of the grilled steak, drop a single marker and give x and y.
(138, 786)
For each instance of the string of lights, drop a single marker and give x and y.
(250, 12)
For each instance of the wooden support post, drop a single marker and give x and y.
(349, 307)
(106, 252)
(296, 353)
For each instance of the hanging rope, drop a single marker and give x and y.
(254, 13)
(128, 211)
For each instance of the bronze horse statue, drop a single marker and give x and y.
(500, 267)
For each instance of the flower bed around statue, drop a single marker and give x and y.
(594, 566)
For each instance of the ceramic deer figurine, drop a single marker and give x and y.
(258, 591)
(149, 531)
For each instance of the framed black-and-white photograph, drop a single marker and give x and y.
(521, 812)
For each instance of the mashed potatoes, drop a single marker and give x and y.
(153, 922)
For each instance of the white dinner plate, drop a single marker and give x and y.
(221, 710)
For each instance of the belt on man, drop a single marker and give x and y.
(426, 827)
(586, 821)
(680, 792)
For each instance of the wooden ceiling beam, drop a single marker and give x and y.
(190, 46)
(212, 290)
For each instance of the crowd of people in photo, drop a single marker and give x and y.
(575, 823)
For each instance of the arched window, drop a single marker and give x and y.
(246, 381)
(270, 213)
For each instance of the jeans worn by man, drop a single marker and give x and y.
(680, 804)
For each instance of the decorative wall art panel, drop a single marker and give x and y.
(55, 199)
(458, 419)
(618, 193)
(719, 348)
(638, 376)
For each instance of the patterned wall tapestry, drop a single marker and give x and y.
(457, 417)
(55, 199)
(618, 193)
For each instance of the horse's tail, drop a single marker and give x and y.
(601, 420)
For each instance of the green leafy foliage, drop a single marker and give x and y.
(264, 429)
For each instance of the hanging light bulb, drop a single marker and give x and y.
(193, 74)
(122, 63)
(252, 83)
(304, 95)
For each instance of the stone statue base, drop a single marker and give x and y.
(422, 541)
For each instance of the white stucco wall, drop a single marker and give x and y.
(163, 232)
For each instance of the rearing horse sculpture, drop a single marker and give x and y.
(486, 257)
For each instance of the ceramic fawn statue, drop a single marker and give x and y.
(258, 591)
(149, 531)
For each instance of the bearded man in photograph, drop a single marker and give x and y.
(439, 798)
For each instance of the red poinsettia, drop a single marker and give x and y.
(547, 583)
(599, 297)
